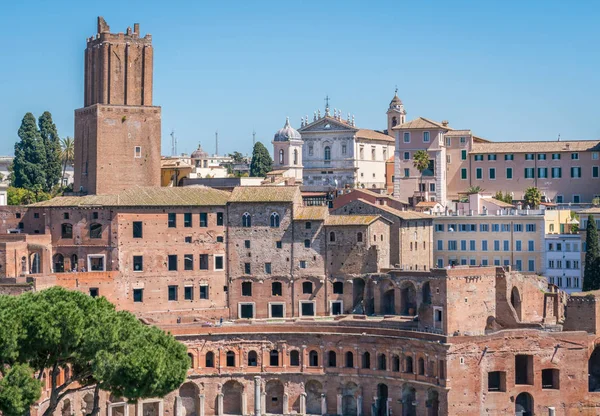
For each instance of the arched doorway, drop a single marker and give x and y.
(594, 370)
(408, 299)
(232, 397)
(35, 263)
(74, 265)
(59, 263)
(358, 296)
(515, 301)
(409, 401)
(189, 396)
(314, 390)
(349, 395)
(66, 408)
(524, 405)
(382, 400)
(433, 403)
(274, 397)
(88, 404)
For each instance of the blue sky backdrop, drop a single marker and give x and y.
(508, 70)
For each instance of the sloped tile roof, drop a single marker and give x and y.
(373, 135)
(421, 123)
(264, 194)
(458, 133)
(145, 196)
(405, 215)
(594, 210)
(499, 203)
(426, 204)
(340, 220)
(536, 146)
(311, 213)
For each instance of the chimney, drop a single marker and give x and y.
(445, 123)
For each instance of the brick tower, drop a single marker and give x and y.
(117, 133)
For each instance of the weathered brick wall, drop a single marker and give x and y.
(10, 217)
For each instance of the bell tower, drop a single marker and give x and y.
(396, 113)
(118, 131)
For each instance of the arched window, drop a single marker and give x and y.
(230, 359)
(59, 263)
(394, 121)
(295, 156)
(382, 362)
(366, 360)
(331, 359)
(252, 359)
(74, 262)
(276, 289)
(349, 359)
(421, 366)
(274, 358)
(66, 231)
(313, 359)
(191, 357)
(307, 288)
(275, 220)
(246, 220)
(281, 158)
(359, 237)
(209, 361)
(294, 358)
(395, 363)
(332, 236)
(408, 365)
(327, 153)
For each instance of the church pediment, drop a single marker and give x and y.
(327, 124)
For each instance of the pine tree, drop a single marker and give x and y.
(51, 142)
(591, 276)
(28, 168)
(261, 161)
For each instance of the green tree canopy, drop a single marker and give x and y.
(533, 197)
(591, 274)
(474, 190)
(421, 162)
(237, 157)
(51, 141)
(261, 161)
(22, 196)
(28, 168)
(57, 328)
(67, 153)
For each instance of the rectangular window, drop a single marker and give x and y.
(463, 140)
(246, 288)
(529, 173)
(505, 228)
(575, 172)
(440, 263)
(574, 156)
(246, 310)
(518, 245)
(484, 245)
(406, 137)
(531, 245)
(203, 291)
(542, 173)
(247, 269)
(518, 228)
(278, 244)
(463, 245)
(484, 228)
(138, 295)
(344, 149)
(463, 173)
(595, 171)
(439, 227)
(203, 261)
(491, 157)
(187, 219)
(137, 229)
(531, 266)
(172, 220)
(463, 155)
(173, 262)
(188, 240)
(94, 292)
(555, 156)
(594, 155)
(509, 156)
(188, 293)
(509, 173)
(478, 173)
(303, 264)
(530, 228)
(220, 218)
(137, 153)
(556, 173)
(276, 310)
(188, 262)
(506, 245)
(307, 308)
(478, 158)
(406, 173)
(497, 381)
(203, 219)
(138, 263)
(336, 308)
(246, 243)
(472, 245)
(425, 137)
(440, 245)
(492, 173)
(432, 187)
(268, 268)
(550, 378)
(495, 228)
(448, 141)
(452, 245)
(541, 156)
(576, 199)
(529, 156)
(496, 245)
(484, 261)
(406, 155)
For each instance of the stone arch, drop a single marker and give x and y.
(382, 362)
(594, 370)
(314, 391)
(408, 299)
(433, 403)
(524, 405)
(274, 397)
(87, 404)
(209, 360)
(409, 400)
(313, 358)
(350, 393)
(382, 400)
(252, 359)
(232, 397)
(58, 262)
(349, 359)
(66, 409)
(388, 298)
(189, 399)
(515, 301)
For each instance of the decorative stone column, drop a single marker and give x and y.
(323, 404)
(244, 403)
(302, 403)
(359, 401)
(178, 406)
(263, 402)
(286, 403)
(257, 398)
(339, 404)
(220, 404)
(201, 399)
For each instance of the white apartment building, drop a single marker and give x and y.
(563, 261)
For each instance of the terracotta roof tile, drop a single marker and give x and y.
(311, 213)
(499, 203)
(426, 204)
(340, 220)
(421, 123)
(405, 215)
(373, 135)
(264, 194)
(594, 210)
(458, 133)
(536, 146)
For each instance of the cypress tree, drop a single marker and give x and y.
(53, 166)
(591, 276)
(261, 161)
(30, 157)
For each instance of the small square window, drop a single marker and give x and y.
(138, 263)
(218, 262)
(303, 264)
(219, 239)
(188, 293)
(138, 295)
(308, 225)
(247, 269)
(307, 288)
(94, 292)
(94, 215)
(246, 243)
(203, 291)
(36, 215)
(188, 239)
(138, 152)
(18, 215)
(276, 310)
(278, 244)
(246, 310)
(65, 216)
(308, 309)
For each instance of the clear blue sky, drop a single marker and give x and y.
(508, 70)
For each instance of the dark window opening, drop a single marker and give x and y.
(274, 358)
(349, 359)
(497, 381)
(203, 261)
(247, 311)
(307, 288)
(203, 291)
(331, 359)
(366, 360)
(188, 262)
(66, 231)
(172, 220)
(276, 289)
(308, 309)
(246, 243)
(313, 359)
(137, 229)
(308, 225)
(230, 359)
(550, 378)
(252, 359)
(246, 288)
(306, 243)
(95, 230)
(294, 358)
(94, 292)
(203, 219)
(138, 263)
(209, 361)
(220, 218)
(94, 215)
(187, 219)
(409, 365)
(421, 364)
(524, 369)
(172, 262)
(218, 262)
(276, 311)
(336, 308)
(188, 293)
(138, 295)
(172, 292)
(338, 288)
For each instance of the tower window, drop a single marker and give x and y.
(327, 153)
(281, 157)
(137, 152)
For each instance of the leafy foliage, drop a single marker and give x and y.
(52, 144)
(533, 197)
(56, 328)
(22, 196)
(30, 157)
(67, 153)
(237, 157)
(18, 390)
(474, 190)
(591, 275)
(421, 162)
(506, 197)
(261, 161)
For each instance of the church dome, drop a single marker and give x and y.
(396, 101)
(199, 153)
(287, 133)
